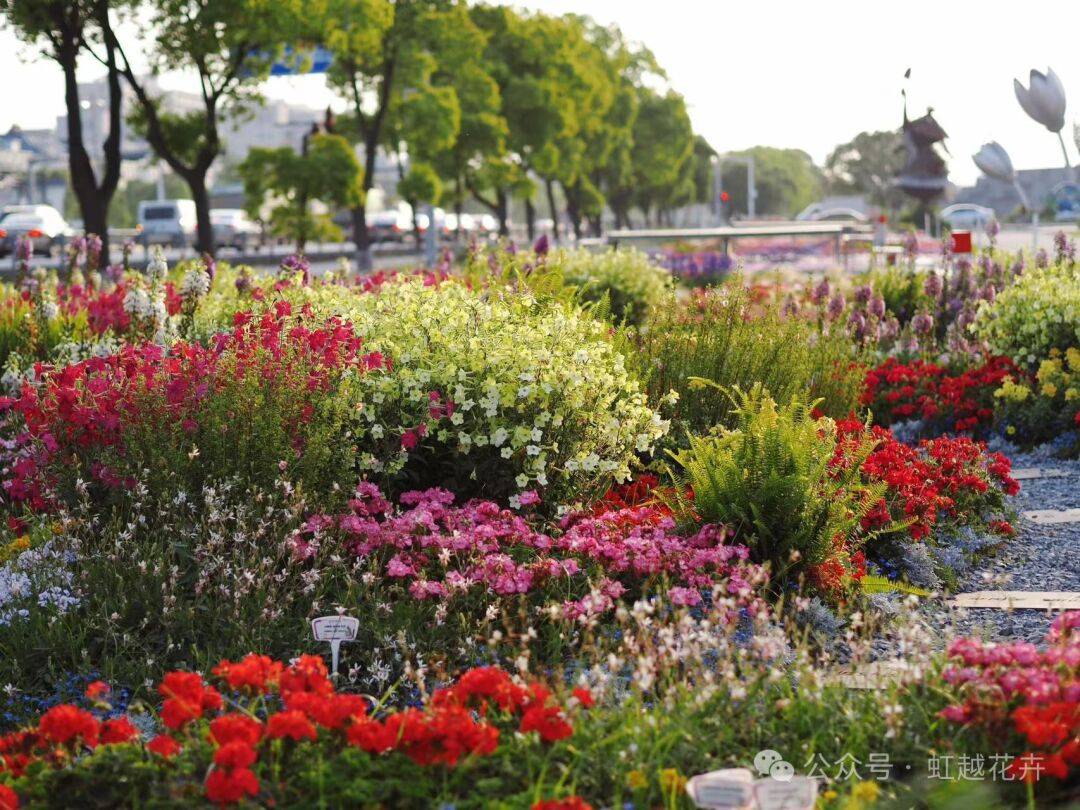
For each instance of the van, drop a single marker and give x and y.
(167, 222)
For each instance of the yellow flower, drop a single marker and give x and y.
(866, 791)
(1071, 394)
(637, 780)
(829, 795)
(1072, 356)
(1049, 390)
(1010, 430)
(1055, 352)
(671, 781)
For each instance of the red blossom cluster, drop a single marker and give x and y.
(105, 308)
(88, 406)
(459, 721)
(941, 478)
(896, 391)
(1019, 694)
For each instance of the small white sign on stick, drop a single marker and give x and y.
(798, 793)
(728, 789)
(335, 629)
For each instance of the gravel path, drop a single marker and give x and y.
(1040, 558)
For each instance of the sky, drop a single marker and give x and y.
(781, 73)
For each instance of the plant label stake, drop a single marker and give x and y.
(335, 629)
(728, 789)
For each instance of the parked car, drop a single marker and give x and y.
(967, 216)
(234, 228)
(167, 222)
(392, 225)
(43, 224)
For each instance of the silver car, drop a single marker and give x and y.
(42, 224)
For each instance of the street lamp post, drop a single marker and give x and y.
(751, 186)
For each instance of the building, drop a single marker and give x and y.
(1042, 187)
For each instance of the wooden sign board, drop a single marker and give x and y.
(1027, 473)
(1018, 600)
(1051, 516)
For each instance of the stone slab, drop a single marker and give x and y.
(1050, 516)
(1028, 473)
(1018, 600)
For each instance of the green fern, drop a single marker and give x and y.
(869, 584)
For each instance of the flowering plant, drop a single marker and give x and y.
(941, 401)
(1021, 698)
(231, 743)
(1039, 410)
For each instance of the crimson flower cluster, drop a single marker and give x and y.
(296, 703)
(87, 407)
(952, 479)
(1018, 694)
(896, 391)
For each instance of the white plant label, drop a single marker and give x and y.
(335, 629)
(1028, 473)
(1048, 516)
(798, 793)
(729, 789)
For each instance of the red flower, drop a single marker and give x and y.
(63, 724)
(235, 728)
(584, 697)
(8, 799)
(329, 711)
(292, 724)
(369, 735)
(571, 803)
(307, 674)
(547, 721)
(118, 730)
(164, 746)
(97, 690)
(186, 698)
(254, 672)
(235, 755)
(230, 786)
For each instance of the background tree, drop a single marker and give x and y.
(787, 181)
(663, 144)
(868, 164)
(63, 30)
(230, 45)
(292, 185)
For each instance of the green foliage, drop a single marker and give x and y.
(1039, 312)
(633, 285)
(289, 183)
(421, 184)
(772, 478)
(873, 584)
(787, 180)
(868, 164)
(725, 336)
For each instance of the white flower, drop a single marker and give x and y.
(195, 284)
(499, 437)
(522, 481)
(506, 452)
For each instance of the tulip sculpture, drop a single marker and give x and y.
(994, 161)
(1044, 101)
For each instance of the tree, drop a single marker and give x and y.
(290, 184)
(230, 45)
(868, 164)
(663, 144)
(385, 54)
(64, 29)
(787, 180)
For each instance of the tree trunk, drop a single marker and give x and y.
(502, 211)
(457, 209)
(204, 242)
(550, 186)
(530, 219)
(83, 182)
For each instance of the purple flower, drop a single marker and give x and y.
(857, 324)
(932, 285)
(296, 263)
(836, 306)
(911, 244)
(1064, 248)
(791, 306)
(1042, 259)
(877, 306)
(243, 283)
(993, 229)
(541, 246)
(922, 323)
(821, 291)
(863, 294)
(210, 265)
(988, 293)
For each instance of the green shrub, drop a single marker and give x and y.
(491, 392)
(632, 284)
(1039, 312)
(724, 336)
(777, 479)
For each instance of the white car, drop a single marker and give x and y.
(167, 222)
(967, 216)
(42, 224)
(233, 228)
